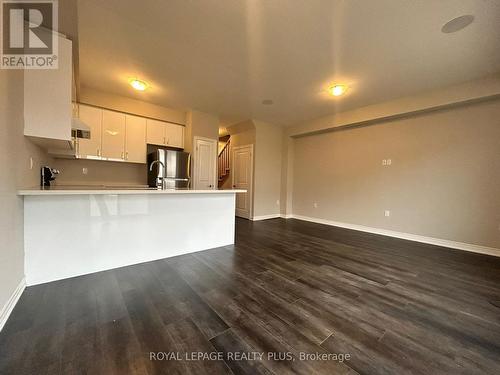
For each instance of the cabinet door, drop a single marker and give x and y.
(113, 135)
(174, 135)
(156, 132)
(91, 148)
(47, 96)
(135, 139)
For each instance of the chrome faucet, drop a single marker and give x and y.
(159, 179)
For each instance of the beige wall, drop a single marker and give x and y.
(245, 138)
(200, 124)
(267, 178)
(15, 153)
(100, 172)
(444, 181)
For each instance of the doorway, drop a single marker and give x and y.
(204, 163)
(242, 172)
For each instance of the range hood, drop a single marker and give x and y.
(68, 150)
(79, 129)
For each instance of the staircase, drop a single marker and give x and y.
(224, 164)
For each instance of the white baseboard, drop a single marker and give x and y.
(265, 217)
(405, 236)
(286, 216)
(11, 303)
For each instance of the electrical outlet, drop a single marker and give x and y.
(387, 213)
(389, 161)
(85, 170)
(31, 162)
(384, 162)
(315, 205)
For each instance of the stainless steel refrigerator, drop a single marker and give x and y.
(169, 169)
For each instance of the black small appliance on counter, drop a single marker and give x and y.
(48, 174)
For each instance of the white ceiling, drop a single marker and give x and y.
(226, 56)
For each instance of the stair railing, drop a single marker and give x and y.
(223, 163)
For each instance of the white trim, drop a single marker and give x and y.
(11, 303)
(406, 236)
(265, 217)
(286, 216)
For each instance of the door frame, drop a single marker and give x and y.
(250, 190)
(195, 155)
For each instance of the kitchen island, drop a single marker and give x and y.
(75, 231)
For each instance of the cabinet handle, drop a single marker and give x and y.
(164, 140)
(123, 155)
(98, 152)
(126, 155)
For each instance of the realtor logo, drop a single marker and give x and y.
(28, 41)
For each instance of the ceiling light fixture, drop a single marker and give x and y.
(337, 90)
(457, 24)
(138, 84)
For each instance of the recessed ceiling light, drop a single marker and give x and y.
(138, 84)
(337, 90)
(457, 24)
(267, 102)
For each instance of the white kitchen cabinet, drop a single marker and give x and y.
(165, 133)
(47, 98)
(113, 135)
(116, 136)
(155, 132)
(90, 148)
(135, 139)
(174, 135)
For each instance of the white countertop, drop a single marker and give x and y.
(105, 190)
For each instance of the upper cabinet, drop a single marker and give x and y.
(90, 148)
(165, 134)
(135, 139)
(156, 132)
(47, 98)
(175, 135)
(113, 135)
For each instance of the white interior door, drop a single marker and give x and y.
(205, 159)
(242, 172)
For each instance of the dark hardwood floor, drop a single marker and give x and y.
(286, 288)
